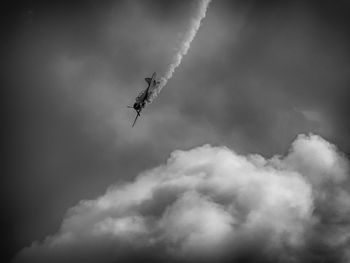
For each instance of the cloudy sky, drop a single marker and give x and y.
(244, 155)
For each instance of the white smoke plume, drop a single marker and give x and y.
(185, 44)
(210, 204)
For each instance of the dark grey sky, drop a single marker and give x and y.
(257, 74)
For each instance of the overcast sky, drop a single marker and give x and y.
(257, 74)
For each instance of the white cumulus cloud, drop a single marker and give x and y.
(210, 203)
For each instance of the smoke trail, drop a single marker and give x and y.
(185, 45)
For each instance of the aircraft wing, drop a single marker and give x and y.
(142, 96)
(145, 94)
(148, 80)
(152, 92)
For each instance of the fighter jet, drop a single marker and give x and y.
(144, 96)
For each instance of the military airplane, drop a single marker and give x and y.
(144, 96)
